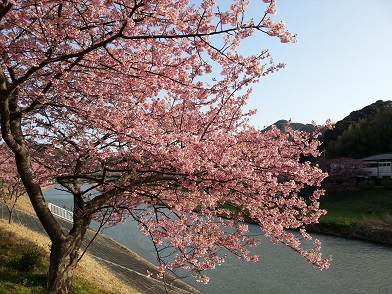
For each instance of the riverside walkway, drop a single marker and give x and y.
(125, 264)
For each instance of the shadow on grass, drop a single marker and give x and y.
(22, 267)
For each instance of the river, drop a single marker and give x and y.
(357, 267)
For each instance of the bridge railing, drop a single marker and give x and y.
(61, 212)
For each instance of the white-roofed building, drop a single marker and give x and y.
(379, 165)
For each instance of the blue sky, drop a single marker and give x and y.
(342, 61)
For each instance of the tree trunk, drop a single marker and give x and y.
(65, 248)
(10, 211)
(63, 260)
(64, 256)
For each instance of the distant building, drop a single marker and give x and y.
(380, 165)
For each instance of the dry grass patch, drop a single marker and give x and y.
(25, 205)
(377, 229)
(89, 272)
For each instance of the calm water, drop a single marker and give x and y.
(357, 267)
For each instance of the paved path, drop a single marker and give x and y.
(125, 264)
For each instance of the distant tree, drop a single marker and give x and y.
(343, 173)
(11, 185)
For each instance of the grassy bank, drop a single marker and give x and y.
(365, 214)
(23, 271)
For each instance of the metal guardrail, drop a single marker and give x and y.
(60, 212)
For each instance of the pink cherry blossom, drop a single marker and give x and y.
(144, 101)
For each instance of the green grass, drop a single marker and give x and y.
(354, 206)
(363, 214)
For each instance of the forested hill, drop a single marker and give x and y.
(362, 133)
(353, 117)
(281, 125)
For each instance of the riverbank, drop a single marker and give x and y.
(123, 263)
(365, 214)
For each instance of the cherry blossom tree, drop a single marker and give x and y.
(143, 100)
(343, 173)
(11, 186)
